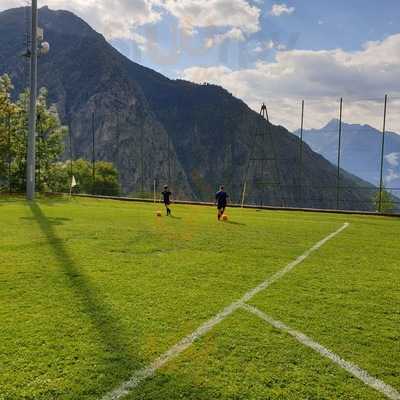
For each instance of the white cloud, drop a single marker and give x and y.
(238, 17)
(280, 9)
(233, 34)
(116, 20)
(258, 49)
(121, 18)
(269, 45)
(6, 4)
(391, 176)
(193, 14)
(393, 159)
(275, 45)
(320, 77)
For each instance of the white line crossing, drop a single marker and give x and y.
(353, 369)
(187, 341)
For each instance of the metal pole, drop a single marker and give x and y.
(141, 164)
(39, 150)
(31, 167)
(9, 151)
(382, 153)
(118, 139)
(301, 151)
(339, 154)
(169, 160)
(93, 155)
(70, 151)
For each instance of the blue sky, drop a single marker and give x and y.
(313, 25)
(279, 52)
(347, 24)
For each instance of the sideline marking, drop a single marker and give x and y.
(353, 369)
(187, 341)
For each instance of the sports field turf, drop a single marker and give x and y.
(92, 291)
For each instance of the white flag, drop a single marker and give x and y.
(73, 183)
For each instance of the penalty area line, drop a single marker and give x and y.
(353, 369)
(144, 373)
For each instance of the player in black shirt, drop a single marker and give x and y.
(221, 198)
(166, 194)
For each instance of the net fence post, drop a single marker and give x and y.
(71, 168)
(339, 155)
(9, 151)
(301, 154)
(93, 155)
(169, 159)
(142, 177)
(382, 154)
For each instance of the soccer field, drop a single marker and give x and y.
(101, 299)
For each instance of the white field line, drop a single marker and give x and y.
(353, 369)
(187, 341)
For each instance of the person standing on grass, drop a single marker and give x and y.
(166, 195)
(221, 198)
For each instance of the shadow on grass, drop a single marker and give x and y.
(52, 199)
(50, 220)
(234, 223)
(173, 217)
(118, 361)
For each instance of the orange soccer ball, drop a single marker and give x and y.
(225, 217)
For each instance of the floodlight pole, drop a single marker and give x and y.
(31, 161)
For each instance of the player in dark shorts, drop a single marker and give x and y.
(166, 194)
(221, 198)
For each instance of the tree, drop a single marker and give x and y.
(106, 177)
(13, 138)
(8, 116)
(49, 142)
(385, 203)
(51, 174)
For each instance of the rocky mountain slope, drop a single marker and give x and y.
(154, 128)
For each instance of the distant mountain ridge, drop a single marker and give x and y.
(361, 151)
(155, 129)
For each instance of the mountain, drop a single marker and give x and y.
(361, 151)
(153, 128)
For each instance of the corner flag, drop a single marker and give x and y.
(73, 184)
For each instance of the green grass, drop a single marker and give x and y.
(92, 290)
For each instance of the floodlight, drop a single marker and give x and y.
(44, 48)
(40, 34)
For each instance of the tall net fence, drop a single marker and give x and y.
(365, 155)
(363, 172)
